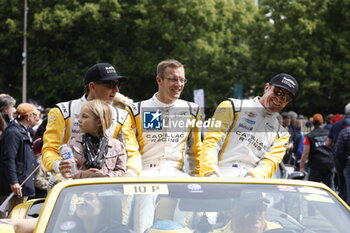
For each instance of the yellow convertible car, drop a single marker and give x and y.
(181, 204)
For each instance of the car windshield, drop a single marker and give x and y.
(197, 207)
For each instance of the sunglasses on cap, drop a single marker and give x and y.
(286, 97)
(111, 84)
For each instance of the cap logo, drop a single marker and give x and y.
(289, 82)
(110, 69)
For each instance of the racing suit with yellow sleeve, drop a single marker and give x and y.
(63, 124)
(228, 228)
(165, 136)
(250, 141)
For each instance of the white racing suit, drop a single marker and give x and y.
(250, 141)
(63, 124)
(166, 135)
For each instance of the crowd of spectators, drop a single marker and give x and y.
(315, 150)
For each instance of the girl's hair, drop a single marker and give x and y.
(102, 111)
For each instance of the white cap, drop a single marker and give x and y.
(347, 109)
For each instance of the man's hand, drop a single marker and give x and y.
(17, 189)
(65, 168)
(91, 172)
(290, 146)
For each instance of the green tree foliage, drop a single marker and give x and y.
(66, 37)
(208, 36)
(11, 29)
(221, 42)
(306, 39)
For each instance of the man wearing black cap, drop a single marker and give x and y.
(101, 82)
(249, 215)
(250, 141)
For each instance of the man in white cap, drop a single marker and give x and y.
(250, 141)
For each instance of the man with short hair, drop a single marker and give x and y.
(249, 215)
(17, 159)
(7, 104)
(162, 143)
(250, 141)
(320, 157)
(101, 82)
(166, 135)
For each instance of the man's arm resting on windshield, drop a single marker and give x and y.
(134, 162)
(269, 163)
(214, 138)
(53, 139)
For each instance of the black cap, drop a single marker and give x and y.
(251, 202)
(102, 72)
(287, 82)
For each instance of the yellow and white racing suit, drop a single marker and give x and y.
(228, 229)
(165, 135)
(63, 124)
(250, 141)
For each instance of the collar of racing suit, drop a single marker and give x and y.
(261, 108)
(158, 103)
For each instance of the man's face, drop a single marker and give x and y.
(89, 206)
(286, 121)
(252, 221)
(171, 85)
(104, 90)
(32, 120)
(275, 98)
(9, 111)
(37, 118)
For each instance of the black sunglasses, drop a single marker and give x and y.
(285, 96)
(111, 84)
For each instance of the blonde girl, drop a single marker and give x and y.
(95, 153)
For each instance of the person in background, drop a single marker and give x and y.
(250, 141)
(319, 156)
(286, 121)
(42, 176)
(7, 109)
(298, 144)
(101, 82)
(329, 123)
(339, 124)
(2, 126)
(292, 129)
(342, 158)
(17, 159)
